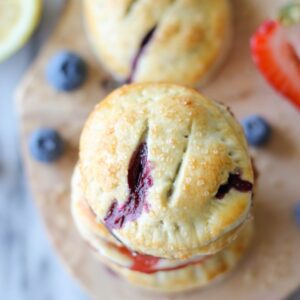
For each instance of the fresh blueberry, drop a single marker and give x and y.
(66, 71)
(45, 145)
(297, 213)
(257, 130)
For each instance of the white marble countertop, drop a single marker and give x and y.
(29, 268)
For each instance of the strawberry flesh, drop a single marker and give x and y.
(276, 52)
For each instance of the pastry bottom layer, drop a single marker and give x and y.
(192, 276)
(150, 272)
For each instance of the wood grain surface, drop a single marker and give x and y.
(29, 268)
(271, 270)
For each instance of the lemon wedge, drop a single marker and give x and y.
(18, 19)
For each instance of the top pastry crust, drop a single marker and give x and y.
(178, 41)
(167, 170)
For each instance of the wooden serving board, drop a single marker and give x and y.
(271, 270)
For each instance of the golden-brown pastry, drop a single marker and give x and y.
(180, 41)
(195, 275)
(84, 217)
(152, 272)
(166, 170)
(99, 238)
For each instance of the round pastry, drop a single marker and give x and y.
(180, 41)
(151, 272)
(166, 170)
(99, 238)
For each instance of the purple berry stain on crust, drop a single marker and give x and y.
(147, 38)
(234, 182)
(139, 181)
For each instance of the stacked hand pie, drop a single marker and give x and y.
(163, 187)
(180, 41)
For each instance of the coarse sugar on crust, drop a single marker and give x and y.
(167, 170)
(150, 272)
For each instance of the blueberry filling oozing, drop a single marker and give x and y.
(139, 181)
(234, 182)
(145, 41)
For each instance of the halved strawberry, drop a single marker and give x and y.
(275, 50)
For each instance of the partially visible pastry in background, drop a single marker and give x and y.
(180, 41)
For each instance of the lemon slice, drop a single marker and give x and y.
(18, 19)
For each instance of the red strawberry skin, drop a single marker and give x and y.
(276, 52)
